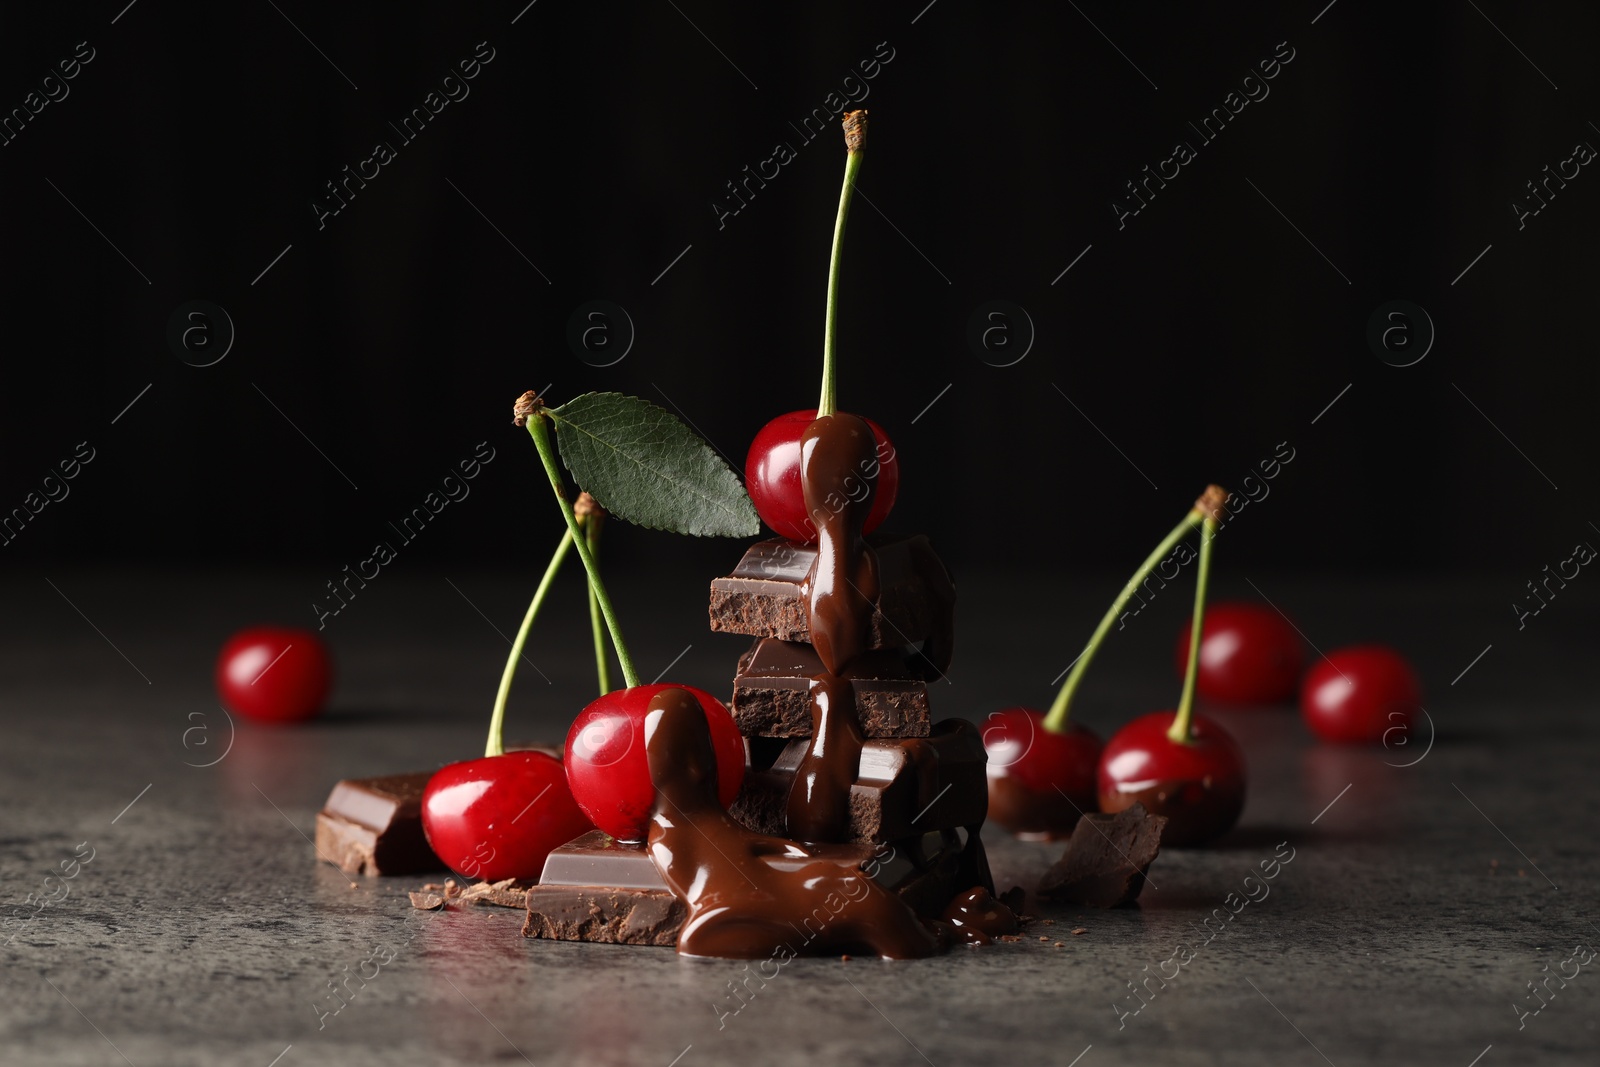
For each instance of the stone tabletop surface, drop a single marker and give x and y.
(1434, 901)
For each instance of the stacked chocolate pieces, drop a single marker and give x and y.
(919, 793)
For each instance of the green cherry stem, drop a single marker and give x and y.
(855, 133)
(496, 745)
(593, 520)
(539, 429)
(1056, 719)
(1179, 731)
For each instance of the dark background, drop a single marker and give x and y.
(1195, 339)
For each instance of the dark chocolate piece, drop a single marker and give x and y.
(374, 826)
(902, 786)
(1105, 862)
(763, 596)
(772, 687)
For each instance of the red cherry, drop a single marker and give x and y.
(274, 673)
(1249, 654)
(1198, 786)
(772, 476)
(608, 769)
(1356, 695)
(1039, 781)
(499, 816)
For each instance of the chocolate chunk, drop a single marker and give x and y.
(1105, 862)
(903, 786)
(763, 596)
(608, 916)
(771, 691)
(374, 826)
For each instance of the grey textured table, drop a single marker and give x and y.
(1419, 904)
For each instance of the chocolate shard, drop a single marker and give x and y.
(903, 786)
(772, 686)
(1105, 862)
(374, 826)
(916, 600)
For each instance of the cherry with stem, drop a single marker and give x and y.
(499, 816)
(1178, 764)
(772, 466)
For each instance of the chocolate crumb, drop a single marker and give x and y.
(426, 901)
(1047, 922)
(844, 959)
(1061, 944)
(1043, 938)
(1010, 938)
(1080, 929)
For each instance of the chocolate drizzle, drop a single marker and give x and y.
(750, 895)
(839, 477)
(977, 918)
(819, 801)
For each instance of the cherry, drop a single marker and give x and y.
(772, 476)
(609, 770)
(1355, 695)
(1040, 781)
(1197, 784)
(274, 673)
(1249, 654)
(499, 816)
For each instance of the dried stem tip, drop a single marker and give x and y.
(587, 505)
(526, 405)
(855, 130)
(1211, 502)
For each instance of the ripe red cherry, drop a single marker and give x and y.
(1040, 781)
(1198, 786)
(1249, 654)
(499, 816)
(1357, 694)
(274, 673)
(772, 476)
(609, 771)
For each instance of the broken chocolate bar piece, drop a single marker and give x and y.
(771, 692)
(1105, 862)
(595, 888)
(374, 826)
(903, 786)
(763, 596)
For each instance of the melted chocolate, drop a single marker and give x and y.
(748, 894)
(977, 918)
(838, 476)
(819, 800)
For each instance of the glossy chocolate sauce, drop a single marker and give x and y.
(838, 477)
(976, 918)
(752, 896)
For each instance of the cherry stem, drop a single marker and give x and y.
(1179, 733)
(602, 658)
(855, 131)
(1056, 719)
(496, 745)
(539, 430)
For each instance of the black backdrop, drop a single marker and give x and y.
(377, 346)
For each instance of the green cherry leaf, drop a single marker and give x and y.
(645, 466)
